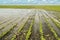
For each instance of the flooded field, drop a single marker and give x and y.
(29, 24)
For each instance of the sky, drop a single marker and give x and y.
(38, 2)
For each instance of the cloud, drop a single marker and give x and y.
(52, 1)
(30, 1)
(14, 0)
(44, 0)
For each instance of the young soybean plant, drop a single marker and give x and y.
(41, 31)
(29, 31)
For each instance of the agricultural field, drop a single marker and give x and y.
(29, 24)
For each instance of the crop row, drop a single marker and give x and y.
(29, 31)
(20, 28)
(5, 32)
(41, 29)
(50, 27)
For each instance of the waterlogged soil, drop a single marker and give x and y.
(35, 29)
(48, 35)
(22, 34)
(53, 25)
(36, 15)
(10, 33)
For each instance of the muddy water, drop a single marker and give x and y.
(12, 12)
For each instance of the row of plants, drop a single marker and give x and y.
(41, 29)
(7, 23)
(5, 20)
(41, 32)
(19, 20)
(12, 26)
(57, 15)
(20, 28)
(57, 23)
(29, 31)
(12, 31)
(52, 30)
(5, 32)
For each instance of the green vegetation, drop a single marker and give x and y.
(57, 14)
(20, 28)
(56, 22)
(46, 7)
(5, 24)
(29, 31)
(41, 32)
(34, 25)
(52, 30)
(3, 33)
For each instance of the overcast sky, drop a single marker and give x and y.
(29, 1)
